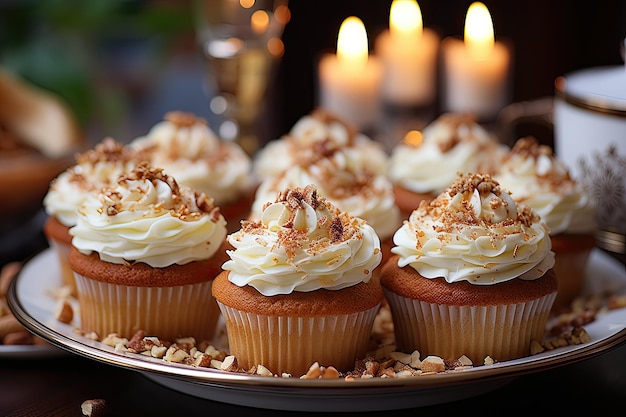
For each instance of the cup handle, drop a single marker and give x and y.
(537, 112)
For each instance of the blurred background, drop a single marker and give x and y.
(120, 65)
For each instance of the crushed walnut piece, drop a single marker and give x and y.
(186, 204)
(565, 328)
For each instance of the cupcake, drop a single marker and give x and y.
(186, 148)
(93, 169)
(539, 180)
(471, 275)
(356, 190)
(298, 287)
(452, 143)
(319, 129)
(145, 253)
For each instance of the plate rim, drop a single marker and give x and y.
(82, 346)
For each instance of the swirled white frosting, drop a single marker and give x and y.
(474, 232)
(359, 192)
(538, 179)
(451, 144)
(148, 218)
(186, 148)
(302, 243)
(94, 169)
(315, 131)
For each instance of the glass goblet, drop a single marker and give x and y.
(241, 41)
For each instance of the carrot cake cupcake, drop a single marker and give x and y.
(94, 169)
(472, 275)
(356, 190)
(538, 179)
(450, 144)
(185, 146)
(320, 130)
(145, 253)
(298, 287)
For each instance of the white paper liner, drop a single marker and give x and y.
(62, 251)
(165, 312)
(503, 332)
(292, 344)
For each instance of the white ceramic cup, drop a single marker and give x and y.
(588, 118)
(590, 137)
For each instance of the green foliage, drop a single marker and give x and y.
(70, 46)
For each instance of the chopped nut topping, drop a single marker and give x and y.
(565, 328)
(94, 408)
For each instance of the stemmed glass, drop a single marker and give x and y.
(241, 40)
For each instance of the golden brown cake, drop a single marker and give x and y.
(145, 254)
(472, 276)
(298, 288)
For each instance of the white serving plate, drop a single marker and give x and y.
(31, 302)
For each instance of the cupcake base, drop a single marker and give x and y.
(292, 344)
(451, 320)
(288, 333)
(168, 303)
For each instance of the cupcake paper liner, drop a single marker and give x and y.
(292, 344)
(503, 332)
(164, 312)
(62, 251)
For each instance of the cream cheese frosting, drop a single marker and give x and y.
(302, 243)
(319, 129)
(358, 191)
(147, 217)
(94, 169)
(186, 148)
(474, 232)
(537, 178)
(450, 144)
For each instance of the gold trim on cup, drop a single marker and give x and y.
(593, 104)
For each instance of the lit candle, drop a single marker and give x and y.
(408, 52)
(350, 80)
(476, 68)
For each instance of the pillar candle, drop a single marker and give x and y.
(408, 53)
(349, 81)
(477, 68)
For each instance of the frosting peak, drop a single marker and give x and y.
(452, 143)
(185, 147)
(302, 243)
(474, 231)
(147, 217)
(351, 188)
(319, 134)
(94, 169)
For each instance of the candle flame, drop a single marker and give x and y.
(405, 16)
(479, 37)
(352, 45)
(414, 138)
(260, 21)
